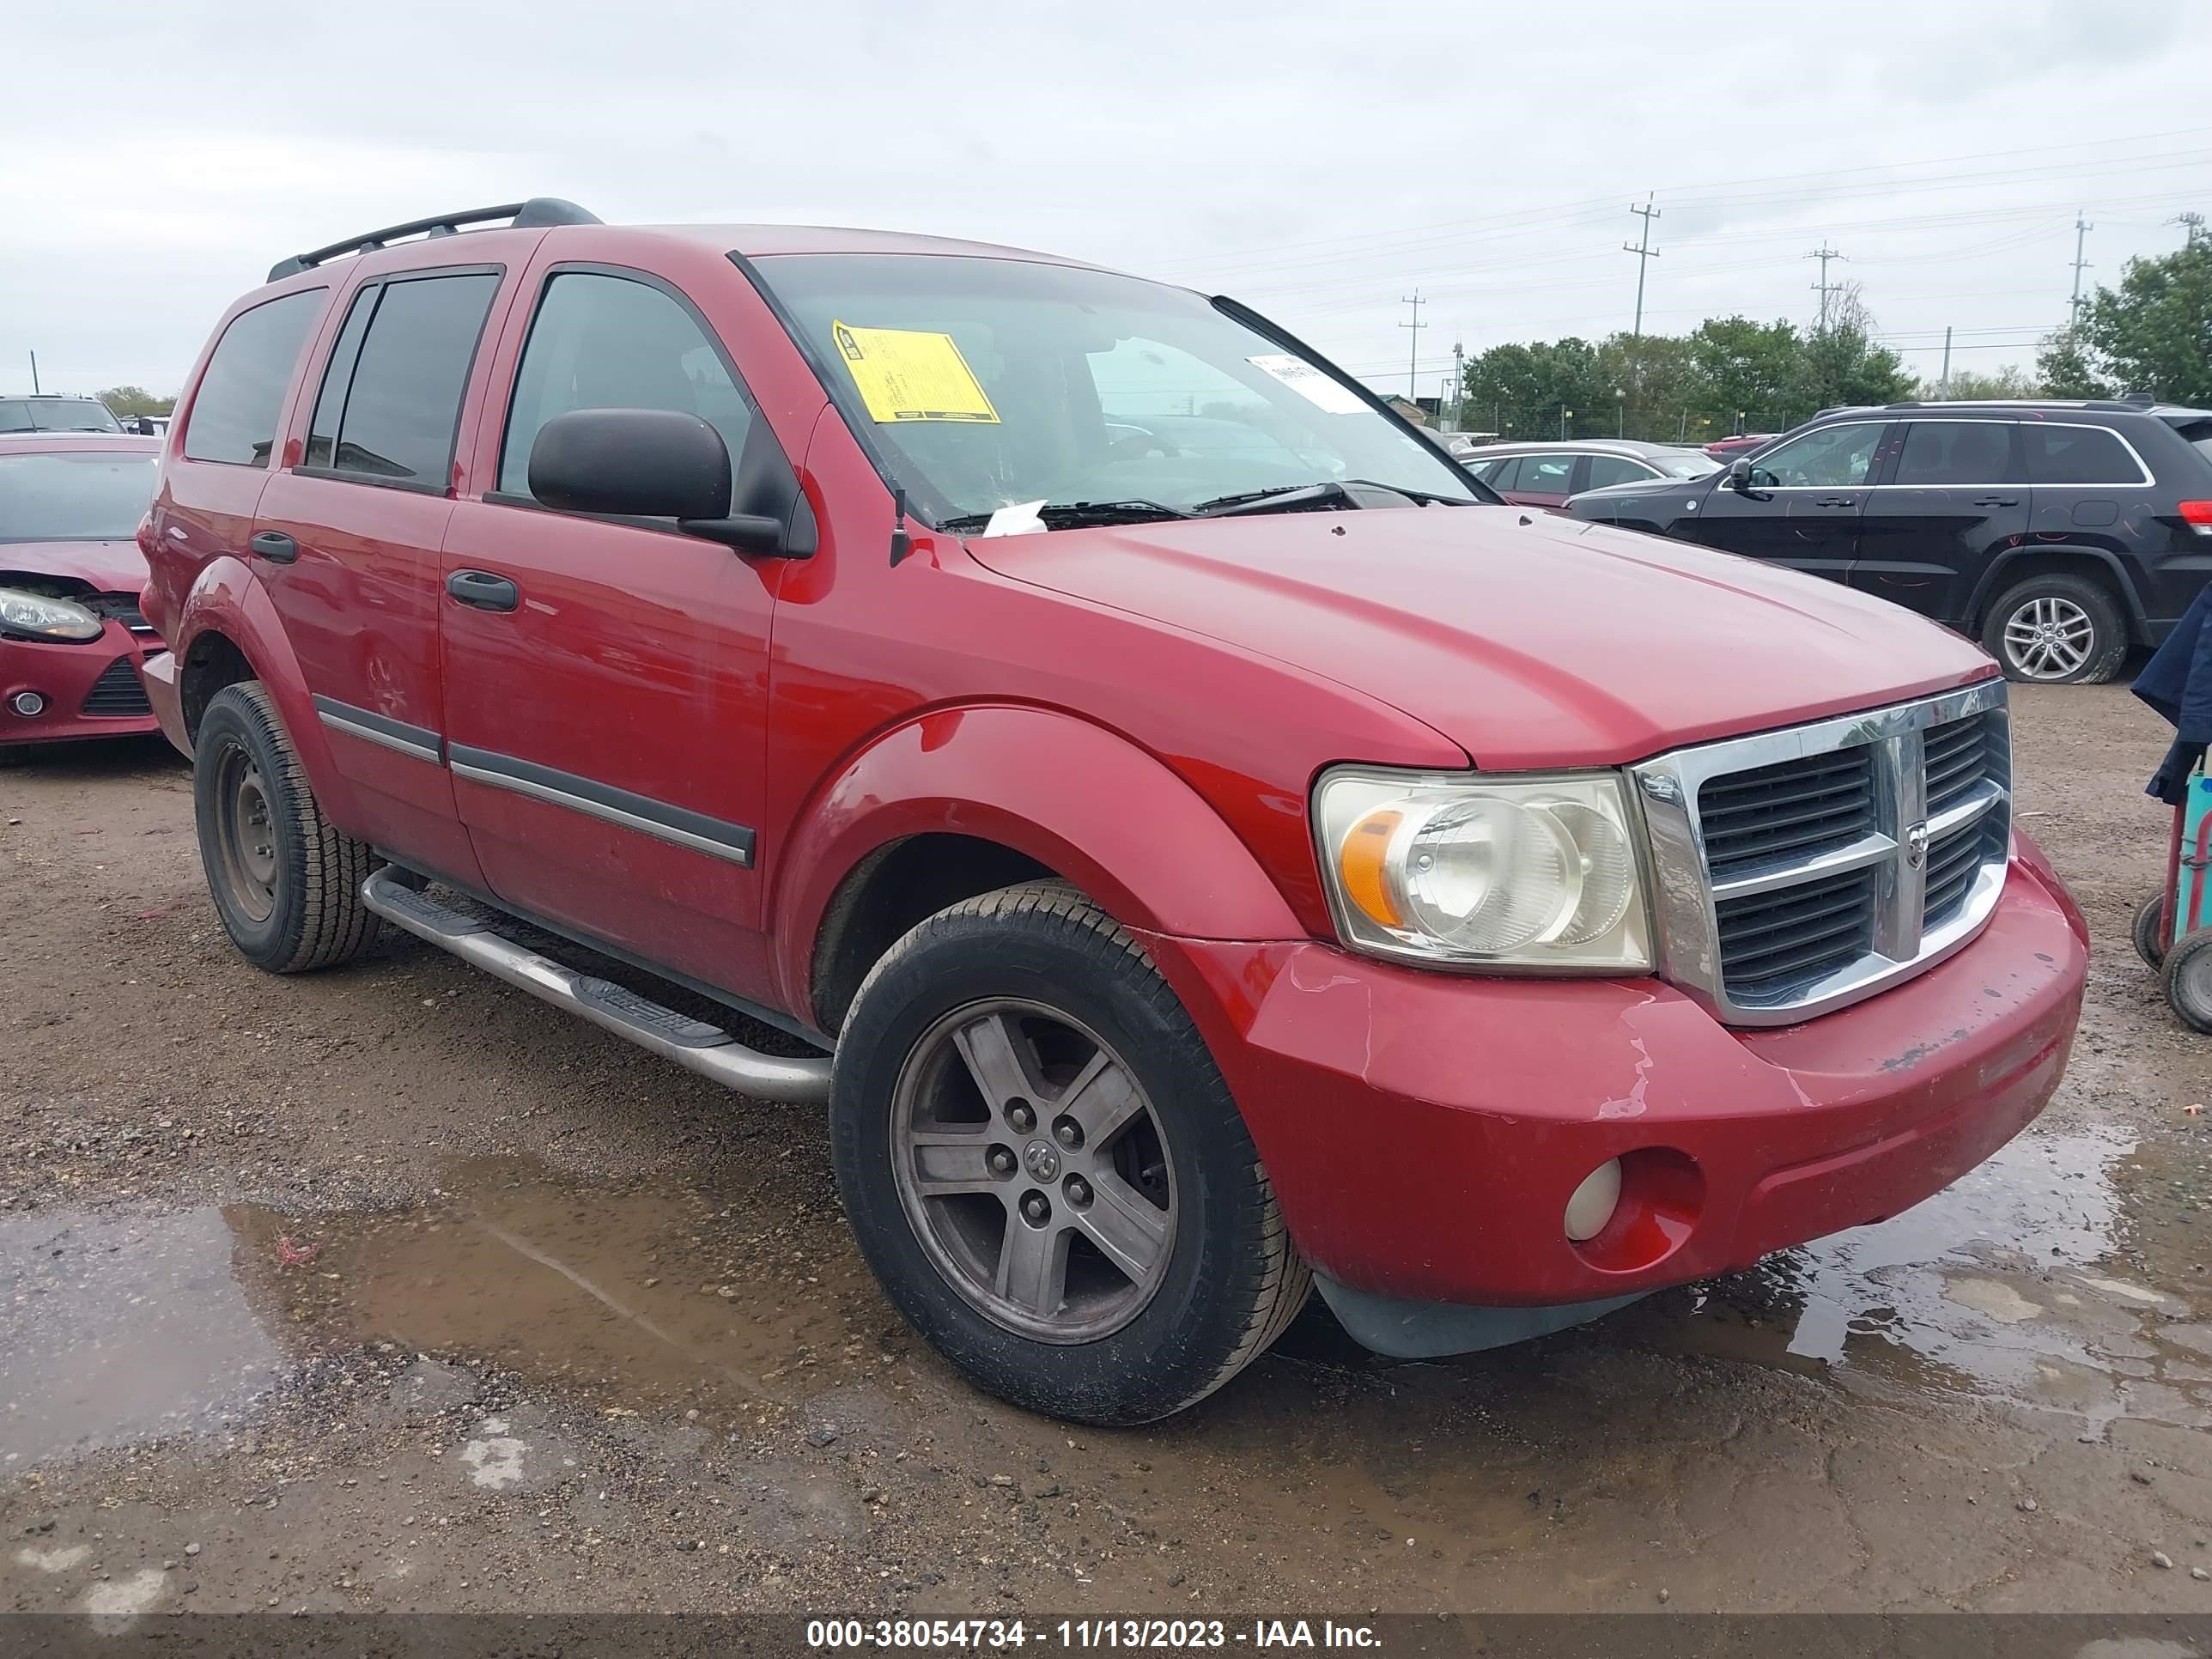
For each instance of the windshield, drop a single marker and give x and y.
(1686, 466)
(56, 415)
(74, 497)
(992, 382)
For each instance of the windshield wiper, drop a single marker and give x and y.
(1281, 496)
(1071, 515)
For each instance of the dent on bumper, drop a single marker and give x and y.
(1422, 1132)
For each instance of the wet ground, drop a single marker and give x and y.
(391, 1288)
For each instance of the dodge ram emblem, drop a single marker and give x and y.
(1915, 844)
(1041, 1159)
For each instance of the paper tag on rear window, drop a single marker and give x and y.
(904, 374)
(1309, 383)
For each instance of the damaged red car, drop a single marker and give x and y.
(1196, 841)
(71, 637)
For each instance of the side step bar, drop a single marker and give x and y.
(707, 1049)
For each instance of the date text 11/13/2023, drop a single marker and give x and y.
(983, 1635)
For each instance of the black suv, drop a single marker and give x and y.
(2057, 533)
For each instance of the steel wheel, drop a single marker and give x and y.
(2048, 638)
(1032, 1165)
(245, 834)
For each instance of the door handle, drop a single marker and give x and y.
(482, 591)
(1837, 500)
(1997, 500)
(275, 546)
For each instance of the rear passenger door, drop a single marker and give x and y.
(2088, 484)
(1956, 497)
(606, 680)
(347, 544)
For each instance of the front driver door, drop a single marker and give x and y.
(1802, 504)
(606, 681)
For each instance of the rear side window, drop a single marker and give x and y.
(605, 341)
(1614, 469)
(395, 420)
(2079, 455)
(1545, 475)
(233, 415)
(1955, 453)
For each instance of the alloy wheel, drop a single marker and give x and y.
(1034, 1170)
(2049, 638)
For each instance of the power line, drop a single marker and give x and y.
(1645, 254)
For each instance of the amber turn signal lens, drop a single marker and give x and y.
(1362, 863)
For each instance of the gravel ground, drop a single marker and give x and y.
(392, 1289)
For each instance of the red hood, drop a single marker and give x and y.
(111, 567)
(1529, 639)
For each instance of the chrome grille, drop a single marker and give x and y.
(1800, 870)
(1787, 810)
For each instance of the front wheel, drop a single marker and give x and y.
(2057, 630)
(286, 885)
(1045, 1169)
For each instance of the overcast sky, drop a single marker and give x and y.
(1320, 161)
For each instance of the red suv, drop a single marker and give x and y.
(1194, 842)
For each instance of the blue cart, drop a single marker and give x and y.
(2173, 928)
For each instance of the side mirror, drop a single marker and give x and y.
(1738, 475)
(646, 464)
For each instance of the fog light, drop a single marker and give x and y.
(1593, 1202)
(29, 704)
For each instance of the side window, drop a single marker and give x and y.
(233, 415)
(1835, 457)
(1955, 453)
(1616, 469)
(602, 342)
(1504, 474)
(391, 412)
(2078, 455)
(1545, 475)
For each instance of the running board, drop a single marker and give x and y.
(707, 1049)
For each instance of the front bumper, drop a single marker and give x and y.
(1423, 1132)
(69, 676)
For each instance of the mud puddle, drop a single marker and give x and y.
(2012, 1285)
(660, 1296)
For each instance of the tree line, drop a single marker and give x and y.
(2151, 332)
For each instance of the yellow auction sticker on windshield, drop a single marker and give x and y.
(904, 374)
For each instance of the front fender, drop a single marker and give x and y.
(228, 598)
(1074, 796)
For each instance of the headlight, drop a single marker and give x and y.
(1528, 872)
(47, 619)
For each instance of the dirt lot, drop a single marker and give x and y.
(393, 1289)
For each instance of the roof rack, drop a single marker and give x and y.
(537, 212)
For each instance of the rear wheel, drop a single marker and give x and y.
(1045, 1169)
(2057, 629)
(286, 885)
(2187, 973)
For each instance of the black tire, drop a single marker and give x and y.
(1232, 1279)
(308, 913)
(2105, 648)
(2149, 930)
(2186, 974)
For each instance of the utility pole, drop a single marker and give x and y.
(1824, 287)
(1945, 394)
(2192, 227)
(2081, 229)
(1645, 254)
(1459, 384)
(34, 375)
(1414, 357)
